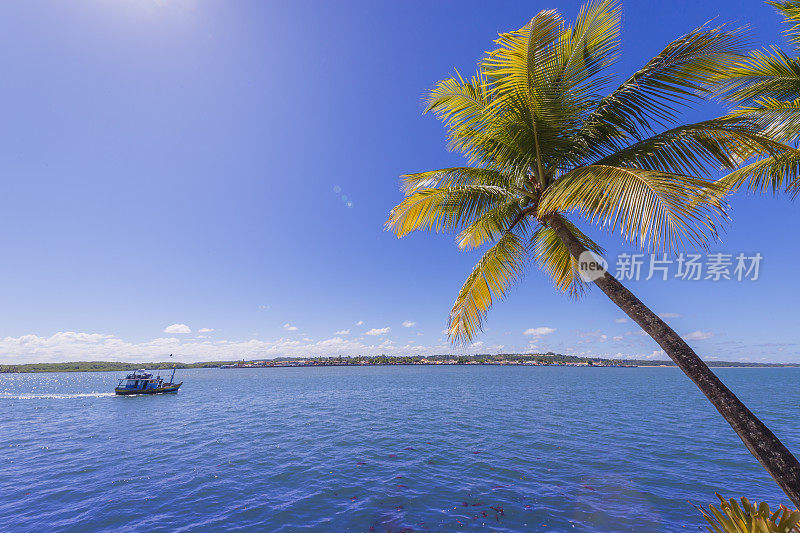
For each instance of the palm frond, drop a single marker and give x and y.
(654, 96)
(491, 225)
(522, 52)
(777, 173)
(591, 44)
(443, 209)
(496, 271)
(746, 517)
(790, 9)
(544, 59)
(779, 118)
(554, 258)
(482, 133)
(545, 75)
(459, 102)
(453, 177)
(702, 148)
(761, 74)
(651, 209)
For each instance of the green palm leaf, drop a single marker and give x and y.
(544, 75)
(553, 257)
(655, 95)
(499, 267)
(780, 172)
(483, 134)
(446, 208)
(491, 225)
(761, 74)
(781, 118)
(790, 10)
(701, 148)
(650, 209)
(453, 177)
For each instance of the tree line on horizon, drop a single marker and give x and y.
(377, 360)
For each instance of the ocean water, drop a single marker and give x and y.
(466, 448)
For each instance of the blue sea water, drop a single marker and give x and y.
(466, 448)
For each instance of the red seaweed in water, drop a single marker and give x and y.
(587, 487)
(392, 455)
(409, 448)
(361, 463)
(498, 509)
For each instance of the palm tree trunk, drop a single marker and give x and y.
(762, 443)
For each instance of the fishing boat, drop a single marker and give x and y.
(142, 382)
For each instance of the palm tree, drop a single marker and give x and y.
(765, 87)
(541, 144)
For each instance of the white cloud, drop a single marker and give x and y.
(538, 332)
(343, 332)
(177, 328)
(617, 338)
(205, 330)
(289, 327)
(77, 346)
(669, 315)
(360, 323)
(620, 320)
(409, 324)
(698, 335)
(477, 344)
(378, 331)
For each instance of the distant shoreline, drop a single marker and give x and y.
(548, 359)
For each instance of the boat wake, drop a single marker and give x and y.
(52, 396)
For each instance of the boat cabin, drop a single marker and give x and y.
(143, 382)
(140, 380)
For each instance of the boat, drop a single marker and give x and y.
(142, 382)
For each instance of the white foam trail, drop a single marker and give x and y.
(54, 396)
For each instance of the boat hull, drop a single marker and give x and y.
(158, 390)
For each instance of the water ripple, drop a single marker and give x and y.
(381, 449)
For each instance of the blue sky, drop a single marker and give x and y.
(228, 166)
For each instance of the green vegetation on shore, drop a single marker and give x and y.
(380, 360)
(101, 366)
